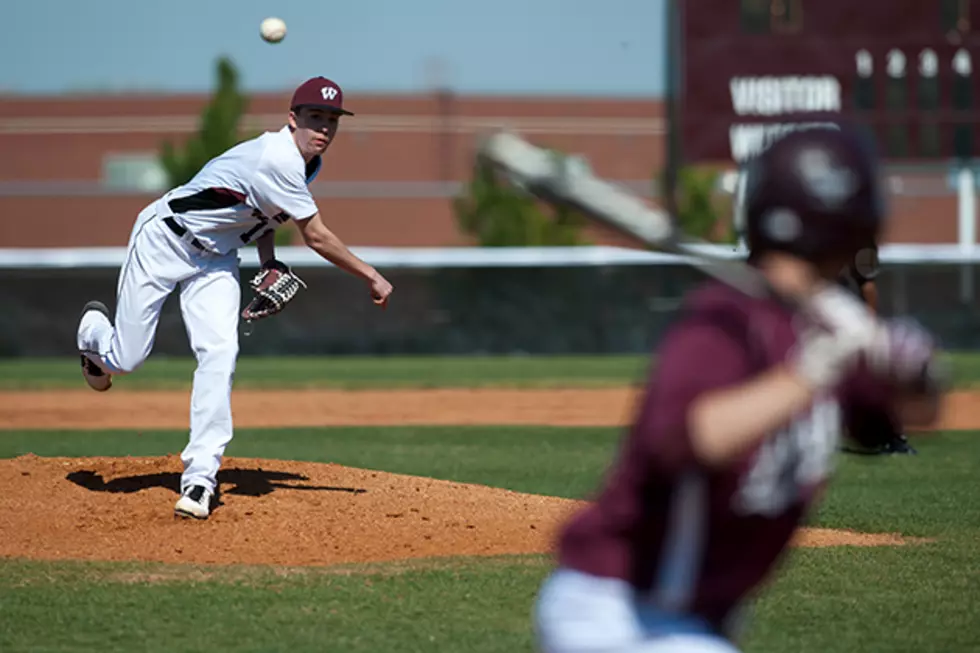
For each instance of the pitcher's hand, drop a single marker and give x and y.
(380, 290)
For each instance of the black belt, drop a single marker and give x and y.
(181, 231)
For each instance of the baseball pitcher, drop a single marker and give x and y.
(189, 239)
(871, 424)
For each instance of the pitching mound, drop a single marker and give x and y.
(275, 512)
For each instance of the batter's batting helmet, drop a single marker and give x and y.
(814, 193)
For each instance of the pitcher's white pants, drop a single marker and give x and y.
(579, 613)
(157, 262)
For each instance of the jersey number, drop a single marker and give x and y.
(263, 222)
(800, 456)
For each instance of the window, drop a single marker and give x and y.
(896, 83)
(133, 172)
(928, 80)
(870, 132)
(787, 15)
(864, 83)
(927, 99)
(897, 140)
(896, 99)
(963, 101)
(771, 16)
(756, 16)
(963, 141)
(930, 141)
(962, 81)
(954, 15)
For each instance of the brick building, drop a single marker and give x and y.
(76, 170)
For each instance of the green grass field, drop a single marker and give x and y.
(353, 372)
(357, 372)
(915, 598)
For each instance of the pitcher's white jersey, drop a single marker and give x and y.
(252, 188)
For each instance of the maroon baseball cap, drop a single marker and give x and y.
(322, 93)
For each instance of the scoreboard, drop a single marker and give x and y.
(745, 71)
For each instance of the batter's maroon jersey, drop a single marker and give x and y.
(690, 538)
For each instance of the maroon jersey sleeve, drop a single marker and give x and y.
(704, 352)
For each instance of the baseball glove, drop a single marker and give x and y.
(275, 286)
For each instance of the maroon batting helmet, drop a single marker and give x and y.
(814, 193)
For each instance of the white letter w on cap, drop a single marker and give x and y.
(328, 92)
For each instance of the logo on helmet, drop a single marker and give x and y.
(829, 183)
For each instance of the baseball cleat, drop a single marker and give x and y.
(93, 374)
(95, 315)
(900, 445)
(194, 502)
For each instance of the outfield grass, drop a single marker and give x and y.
(356, 372)
(348, 372)
(903, 599)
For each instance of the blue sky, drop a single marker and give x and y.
(609, 47)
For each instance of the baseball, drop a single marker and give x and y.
(273, 29)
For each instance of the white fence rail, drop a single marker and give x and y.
(469, 257)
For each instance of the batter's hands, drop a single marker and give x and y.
(380, 290)
(838, 329)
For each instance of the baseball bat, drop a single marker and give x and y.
(547, 175)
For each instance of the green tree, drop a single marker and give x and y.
(699, 209)
(218, 130)
(497, 214)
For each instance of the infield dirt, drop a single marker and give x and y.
(313, 408)
(276, 512)
(298, 513)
